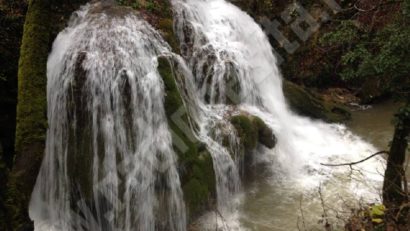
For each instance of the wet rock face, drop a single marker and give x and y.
(195, 162)
(80, 160)
(265, 134)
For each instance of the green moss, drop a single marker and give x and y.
(31, 107)
(247, 131)
(199, 187)
(195, 192)
(166, 26)
(17, 204)
(195, 163)
(265, 134)
(31, 111)
(307, 104)
(253, 130)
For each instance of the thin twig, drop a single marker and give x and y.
(357, 162)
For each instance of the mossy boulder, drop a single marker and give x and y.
(308, 104)
(247, 132)
(194, 161)
(265, 134)
(252, 130)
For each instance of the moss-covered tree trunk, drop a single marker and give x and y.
(31, 113)
(393, 191)
(3, 182)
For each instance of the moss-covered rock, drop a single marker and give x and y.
(166, 28)
(247, 132)
(265, 134)
(308, 104)
(252, 130)
(195, 163)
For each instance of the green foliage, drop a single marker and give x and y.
(402, 117)
(406, 8)
(381, 54)
(135, 4)
(376, 213)
(345, 34)
(150, 5)
(359, 57)
(377, 210)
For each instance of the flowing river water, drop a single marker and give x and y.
(275, 206)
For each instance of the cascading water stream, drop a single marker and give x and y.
(109, 162)
(232, 63)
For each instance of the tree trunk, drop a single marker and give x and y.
(31, 113)
(393, 190)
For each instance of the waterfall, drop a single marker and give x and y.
(109, 162)
(233, 66)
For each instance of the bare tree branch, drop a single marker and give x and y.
(357, 162)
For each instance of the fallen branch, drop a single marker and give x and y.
(357, 162)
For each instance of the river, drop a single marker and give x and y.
(271, 204)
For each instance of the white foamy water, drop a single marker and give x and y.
(232, 61)
(109, 162)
